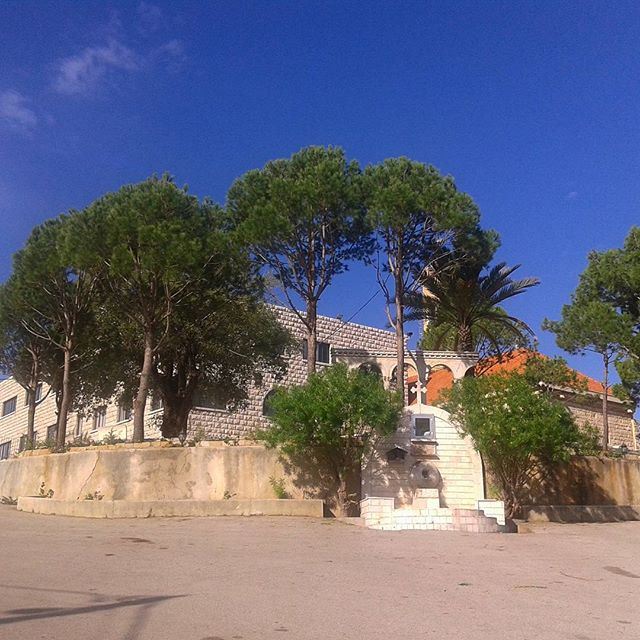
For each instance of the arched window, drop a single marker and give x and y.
(267, 409)
(372, 368)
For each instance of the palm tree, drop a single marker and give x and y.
(462, 312)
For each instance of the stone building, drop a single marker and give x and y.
(208, 417)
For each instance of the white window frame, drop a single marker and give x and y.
(14, 399)
(121, 417)
(77, 431)
(432, 430)
(305, 348)
(100, 412)
(5, 450)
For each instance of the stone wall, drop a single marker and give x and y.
(587, 410)
(220, 424)
(144, 472)
(457, 461)
(587, 480)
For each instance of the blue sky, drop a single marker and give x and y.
(533, 107)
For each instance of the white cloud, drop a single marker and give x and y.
(15, 112)
(81, 74)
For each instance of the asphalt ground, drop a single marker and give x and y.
(285, 578)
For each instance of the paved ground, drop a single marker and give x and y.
(262, 578)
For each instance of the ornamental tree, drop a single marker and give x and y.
(53, 298)
(146, 245)
(304, 221)
(335, 418)
(514, 427)
(415, 213)
(591, 325)
(221, 336)
(25, 356)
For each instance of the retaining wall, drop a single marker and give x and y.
(587, 480)
(154, 473)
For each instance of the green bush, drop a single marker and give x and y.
(334, 419)
(515, 427)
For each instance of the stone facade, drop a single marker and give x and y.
(426, 513)
(14, 425)
(461, 481)
(587, 410)
(215, 423)
(221, 423)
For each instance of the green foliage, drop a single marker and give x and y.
(96, 495)
(334, 419)
(416, 213)
(278, 486)
(514, 427)
(83, 440)
(604, 315)
(112, 438)
(463, 309)
(48, 304)
(304, 221)
(589, 324)
(543, 372)
(8, 500)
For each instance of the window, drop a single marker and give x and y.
(209, 400)
(52, 431)
(323, 352)
(38, 394)
(79, 424)
(267, 408)
(9, 406)
(5, 450)
(124, 413)
(99, 418)
(423, 427)
(156, 402)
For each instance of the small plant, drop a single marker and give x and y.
(228, 495)
(231, 442)
(112, 438)
(198, 436)
(83, 440)
(278, 488)
(44, 493)
(96, 495)
(8, 500)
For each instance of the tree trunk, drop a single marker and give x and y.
(175, 415)
(399, 303)
(31, 395)
(465, 342)
(312, 336)
(65, 403)
(605, 407)
(140, 400)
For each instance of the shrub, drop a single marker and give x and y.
(278, 488)
(514, 427)
(334, 419)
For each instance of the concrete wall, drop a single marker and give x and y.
(151, 473)
(588, 480)
(456, 459)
